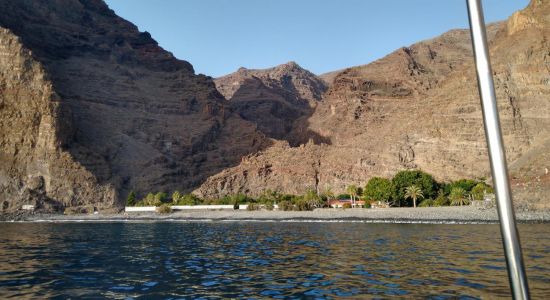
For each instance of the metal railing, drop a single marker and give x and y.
(497, 157)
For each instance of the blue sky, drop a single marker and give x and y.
(219, 36)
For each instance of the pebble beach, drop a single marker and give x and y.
(432, 215)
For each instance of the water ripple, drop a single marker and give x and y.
(263, 260)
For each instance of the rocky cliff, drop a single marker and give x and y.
(91, 108)
(419, 108)
(279, 100)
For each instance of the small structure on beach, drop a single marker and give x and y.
(28, 207)
(338, 203)
(379, 204)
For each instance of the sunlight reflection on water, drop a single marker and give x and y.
(263, 260)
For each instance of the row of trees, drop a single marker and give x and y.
(406, 188)
(410, 187)
(307, 201)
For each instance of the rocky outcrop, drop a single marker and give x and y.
(278, 100)
(91, 108)
(419, 108)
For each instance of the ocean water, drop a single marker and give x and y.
(281, 260)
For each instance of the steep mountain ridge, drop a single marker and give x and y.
(418, 108)
(278, 99)
(103, 110)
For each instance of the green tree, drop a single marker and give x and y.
(151, 200)
(176, 196)
(379, 189)
(413, 192)
(458, 196)
(352, 191)
(189, 199)
(131, 199)
(404, 179)
(312, 199)
(160, 197)
(328, 193)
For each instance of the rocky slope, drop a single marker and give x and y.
(278, 100)
(91, 108)
(419, 108)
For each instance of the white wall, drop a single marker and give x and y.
(179, 207)
(186, 207)
(139, 208)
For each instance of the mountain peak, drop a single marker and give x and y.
(290, 66)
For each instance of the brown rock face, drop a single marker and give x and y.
(419, 108)
(279, 100)
(90, 108)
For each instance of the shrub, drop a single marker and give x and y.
(269, 206)
(404, 179)
(131, 199)
(346, 205)
(466, 184)
(164, 209)
(291, 198)
(303, 205)
(426, 203)
(286, 205)
(478, 191)
(253, 206)
(441, 200)
(378, 189)
(188, 199)
(269, 196)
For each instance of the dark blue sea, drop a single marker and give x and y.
(258, 260)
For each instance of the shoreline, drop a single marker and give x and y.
(427, 215)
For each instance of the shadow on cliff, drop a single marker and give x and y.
(279, 113)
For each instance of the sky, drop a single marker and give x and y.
(219, 36)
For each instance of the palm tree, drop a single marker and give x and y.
(352, 191)
(176, 196)
(414, 193)
(458, 196)
(328, 193)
